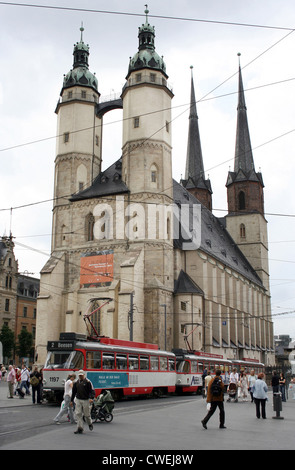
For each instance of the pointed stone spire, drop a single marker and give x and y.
(244, 185)
(195, 180)
(243, 154)
(194, 158)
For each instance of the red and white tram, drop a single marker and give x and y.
(126, 368)
(130, 368)
(190, 368)
(248, 365)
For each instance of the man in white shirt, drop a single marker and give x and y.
(25, 377)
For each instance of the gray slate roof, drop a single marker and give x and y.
(106, 183)
(215, 239)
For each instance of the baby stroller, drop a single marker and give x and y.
(232, 392)
(102, 407)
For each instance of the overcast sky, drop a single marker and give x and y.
(36, 46)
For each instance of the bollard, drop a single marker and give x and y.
(277, 405)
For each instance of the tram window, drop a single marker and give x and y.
(121, 361)
(108, 360)
(133, 362)
(171, 363)
(76, 360)
(59, 360)
(194, 367)
(200, 366)
(144, 362)
(93, 360)
(154, 363)
(163, 363)
(186, 367)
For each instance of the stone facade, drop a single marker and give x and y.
(123, 237)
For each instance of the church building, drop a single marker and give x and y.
(146, 247)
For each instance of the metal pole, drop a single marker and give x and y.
(165, 314)
(131, 316)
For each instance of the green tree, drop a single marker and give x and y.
(7, 340)
(25, 343)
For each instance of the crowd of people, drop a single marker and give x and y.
(23, 382)
(244, 386)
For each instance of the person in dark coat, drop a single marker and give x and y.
(215, 401)
(36, 388)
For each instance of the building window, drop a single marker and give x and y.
(154, 176)
(25, 312)
(138, 77)
(66, 137)
(153, 77)
(89, 227)
(167, 126)
(6, 305)
(83, 94)
(242, 201)
(183, 306)
(242, 231)
(136, 122)
(70, 95)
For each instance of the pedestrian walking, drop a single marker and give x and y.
(35, 381)
(83, 394)
(207, 381)
(25, 378)
(215, 397)
(260, 395)
(251, 381)
(244, 386)
(233, 385)
(66, 408)
(10, 381)
(292, 387)
(282, 384)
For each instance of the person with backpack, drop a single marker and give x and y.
(215, 398)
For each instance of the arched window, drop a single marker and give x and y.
(242, 201)
(242, 231)
(81, 176)
(89, 224)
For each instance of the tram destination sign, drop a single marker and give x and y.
(60, 345)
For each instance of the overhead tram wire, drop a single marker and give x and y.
(203, 98)
(291, 30)
(161, 17)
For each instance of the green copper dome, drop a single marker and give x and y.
(146, 57)
(80, 74)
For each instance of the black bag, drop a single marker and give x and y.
(20, 392)
(216, 389)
